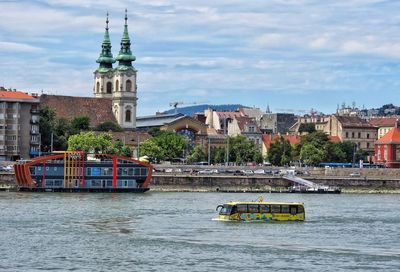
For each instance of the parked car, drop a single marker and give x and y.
(355, 174)
(206, 172)
(248, 172)
(238, 173)
(259, 171)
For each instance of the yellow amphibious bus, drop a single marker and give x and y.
(261, 211)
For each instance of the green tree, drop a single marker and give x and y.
(311, 154)
(242, 150)
(61, 132)
(152, 150)
(169, 145)
(218, 156)
(154, 132)
(80, 123)
(108, 126)
(46, 125)
(91, 143)
(307, 127)
(197, 155)
(280, 152)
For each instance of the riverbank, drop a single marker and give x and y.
(181, 182)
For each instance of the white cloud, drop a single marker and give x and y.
(18, 47)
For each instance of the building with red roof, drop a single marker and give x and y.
(384, 124)
(387, 148)
(19, 125)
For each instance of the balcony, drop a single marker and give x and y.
(34, 121)
(34, 132)
(34, 111)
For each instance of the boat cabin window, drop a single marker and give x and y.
(300, 209)
(265, 209)
(242, 208)
(284, 209)
(275, 208)
(253, 208)
(225, 210)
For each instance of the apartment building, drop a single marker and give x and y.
(19, 125)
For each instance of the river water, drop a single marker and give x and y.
(174, 232)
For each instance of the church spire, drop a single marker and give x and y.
(125, 56)
(106, 58)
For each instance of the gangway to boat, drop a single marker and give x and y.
(300, 181)
(306, 186)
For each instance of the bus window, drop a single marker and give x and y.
(265, 209)
(293, 210)
(234, 210)
(275, 208)
(225, 210)
(285, 209)
(253, 208)
(300, 209)
(242, 208)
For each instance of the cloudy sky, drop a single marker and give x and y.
(288, 54)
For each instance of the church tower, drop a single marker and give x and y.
(124, 95)
(104, 75)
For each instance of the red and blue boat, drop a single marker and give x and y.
(76, 171)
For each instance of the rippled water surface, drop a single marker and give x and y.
(174, 232)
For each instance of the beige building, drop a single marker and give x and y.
(247, 127)
(353, 129)
(384, 124)
(19, 125)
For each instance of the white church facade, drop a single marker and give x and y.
(119, 83)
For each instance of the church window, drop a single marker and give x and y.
(128, 114)
(117, 85)
(109, 87)
(97, 87)
(128, 85)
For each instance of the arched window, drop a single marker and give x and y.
(117, 85)
(97, 87)
(128, 114)
(128, 85)
(109, 87)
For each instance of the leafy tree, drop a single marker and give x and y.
(242, 150)
(121, 150)
(307, 127)
(46, 124)
(108, 126)
(91, 143)
(197, 155)
(334, 152)
(165, 146)
(61, 132)
(218, 155)
(280, 152)
(78, 124)
(311, 154)
(154, 132)
(152, 150)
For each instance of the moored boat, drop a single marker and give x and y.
(75, 171)
(261, 211)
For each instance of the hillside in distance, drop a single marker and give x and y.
(191, 110)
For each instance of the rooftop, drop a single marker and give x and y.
(16, 95)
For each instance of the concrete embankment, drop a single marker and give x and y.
(187, 182)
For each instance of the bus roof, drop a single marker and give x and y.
(263, 203)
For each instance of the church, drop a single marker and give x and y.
(114, 90)
(118, 83)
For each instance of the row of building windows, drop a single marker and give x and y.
(8, 105)
(353, 134)
(128, 86)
